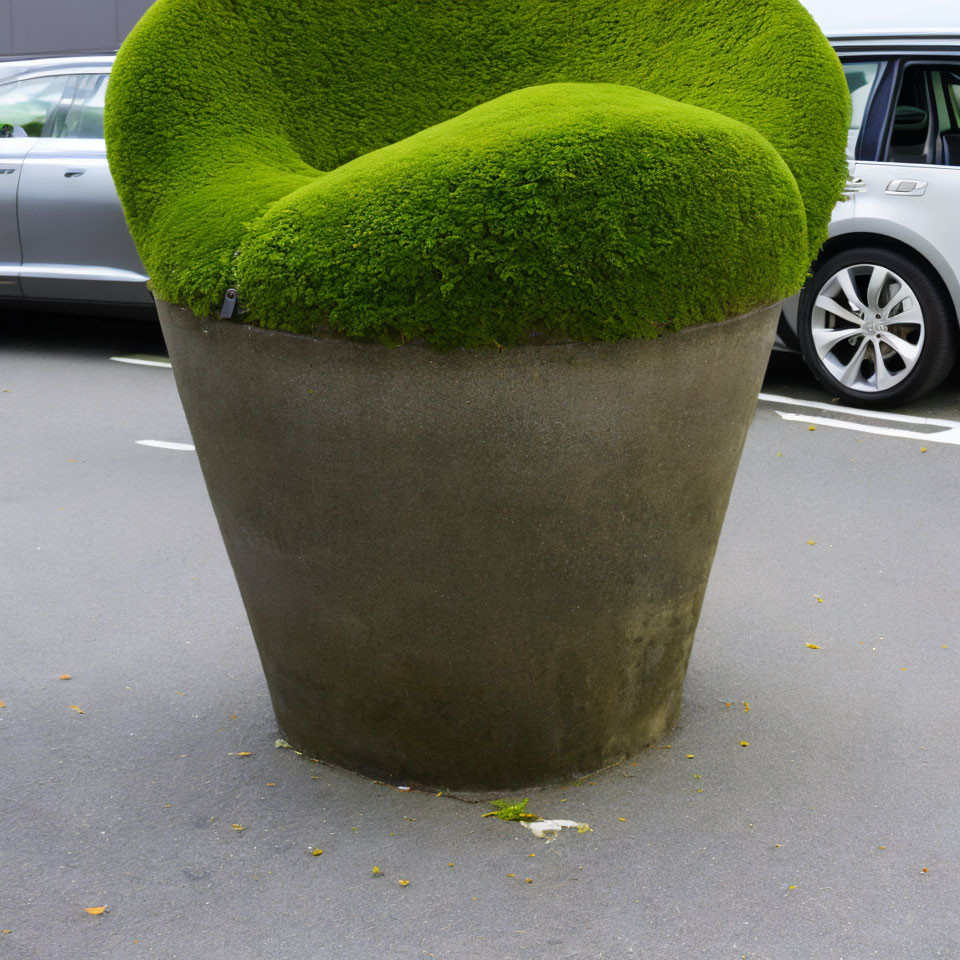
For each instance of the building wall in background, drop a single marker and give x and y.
(66, 26)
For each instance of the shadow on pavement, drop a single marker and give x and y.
(78, 333)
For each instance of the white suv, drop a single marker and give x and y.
(877, 322)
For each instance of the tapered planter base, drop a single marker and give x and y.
(473, 570)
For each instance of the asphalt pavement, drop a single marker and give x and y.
(805, 807)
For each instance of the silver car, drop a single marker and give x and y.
(63, 238)
(877, 320)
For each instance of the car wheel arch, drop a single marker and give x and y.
(858, 360)
(848, 241)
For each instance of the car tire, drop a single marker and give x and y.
(901, 336)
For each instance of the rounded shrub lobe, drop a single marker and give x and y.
(466, 174)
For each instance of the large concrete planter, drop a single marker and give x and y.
(471, 570)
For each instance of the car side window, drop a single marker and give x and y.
(861, 77)
(953, 86)
(950, 134)
(81, 112)
(926, 120)
(27, 106)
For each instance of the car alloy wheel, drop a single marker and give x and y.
(874, 328)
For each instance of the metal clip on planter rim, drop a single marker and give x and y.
(229, 304)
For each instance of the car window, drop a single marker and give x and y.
(861, 77)
(913, 136)
(926, 121)
(951, 91)
(81, 113)
(26, 106)
(950, 124)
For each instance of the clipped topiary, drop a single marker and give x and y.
(474, 568)
(466, 173)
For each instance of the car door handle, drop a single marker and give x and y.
(75, 173)
(907, 188)
(4, 170)
(854, 185)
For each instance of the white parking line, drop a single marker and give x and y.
(950, 432)
(166, 444)
(143, 363)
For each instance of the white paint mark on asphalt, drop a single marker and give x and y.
(944, 436)
(949, 431)
(143, 363)
(166, 444)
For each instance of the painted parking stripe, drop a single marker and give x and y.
(949, 431)
(143, 362)
(166, 444)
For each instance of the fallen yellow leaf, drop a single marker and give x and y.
(691, 756)
(95, 911)
(377, 872)
(746, 707)
(403, 883)
(923, 449)
(2, 704)
(811, 428)
(64, 676)
(244, 753)
(73, 706)
(622, 819)
(530, 879)
(511, 874)
(813, 646)
(812, 543)
(792, 887)
(744, 743)
(237, 826)
(315, 852)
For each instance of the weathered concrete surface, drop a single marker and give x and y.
(473, 570)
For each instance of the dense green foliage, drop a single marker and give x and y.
(465, 173)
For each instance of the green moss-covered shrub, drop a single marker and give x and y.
(464, 173)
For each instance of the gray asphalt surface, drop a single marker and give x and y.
(834, 834)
